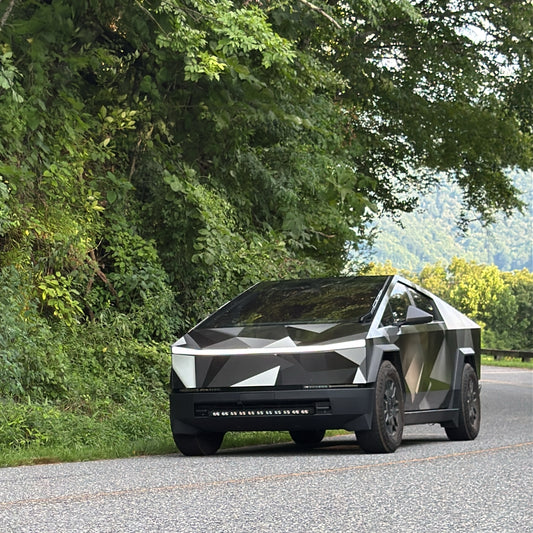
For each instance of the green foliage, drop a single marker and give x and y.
(5, 219)
(215, 130)
(514, 362)
(216, 46)
(138, 283)
(518, 334)
(110, 426)
(485, 295)
(428, 93)
(64, 386)
(32, 359)
(59, 296)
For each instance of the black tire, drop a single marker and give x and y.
(388, 418)
(200, 444)
(469, 407)
(307, 438)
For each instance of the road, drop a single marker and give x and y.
(429, 484)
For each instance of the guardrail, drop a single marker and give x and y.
(499, 354)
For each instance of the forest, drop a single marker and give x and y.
(159, 156)
(430, 234)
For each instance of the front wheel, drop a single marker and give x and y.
(388, 417)
(200, 444)
(469, 407)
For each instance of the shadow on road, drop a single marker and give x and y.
(341, 445)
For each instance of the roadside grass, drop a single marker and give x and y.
(32, 433)
(506, 361)
(42, 454)
(35, 454)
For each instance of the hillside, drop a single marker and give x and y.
(430, 234)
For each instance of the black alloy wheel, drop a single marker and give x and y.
(469, 407)
(388, 417)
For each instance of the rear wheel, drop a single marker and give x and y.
(469, 407)
(388, 418)
(307, 438)
(200, 444)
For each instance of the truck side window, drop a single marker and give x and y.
(424, 303)
(398, 303)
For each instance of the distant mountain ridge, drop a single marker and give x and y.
(430, 234)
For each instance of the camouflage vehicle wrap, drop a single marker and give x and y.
(310, 355)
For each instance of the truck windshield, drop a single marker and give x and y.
(310, 301)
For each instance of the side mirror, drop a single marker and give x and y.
(416, 316)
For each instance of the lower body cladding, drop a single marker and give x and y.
(350, 408)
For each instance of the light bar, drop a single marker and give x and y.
(291, 411)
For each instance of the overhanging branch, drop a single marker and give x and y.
(6, 14)
(322, 12)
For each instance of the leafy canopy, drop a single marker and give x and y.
(159, 156)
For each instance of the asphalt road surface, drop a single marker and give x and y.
(429, 484)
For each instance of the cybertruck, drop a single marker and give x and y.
(367, 354)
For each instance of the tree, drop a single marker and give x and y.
(518, 335)
(433, 86)
(200, 145)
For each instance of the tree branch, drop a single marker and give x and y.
(6, 14)
(322, 12)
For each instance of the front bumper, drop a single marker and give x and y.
(349, 408)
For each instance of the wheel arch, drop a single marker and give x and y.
(463, 355)
(384, 352)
